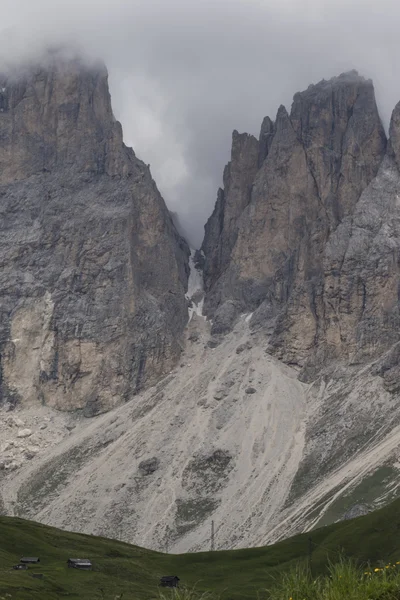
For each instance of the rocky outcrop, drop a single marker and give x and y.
(222, 227)
(92, 270)
(302, 255)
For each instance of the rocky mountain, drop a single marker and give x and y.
(287, 239)
(92, 270)
(314, 240)
(283, 410)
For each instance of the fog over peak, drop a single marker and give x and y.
(185, 73)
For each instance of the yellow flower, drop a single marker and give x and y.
(376, 570)
(398, 562)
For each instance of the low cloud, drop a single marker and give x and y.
(185, 73)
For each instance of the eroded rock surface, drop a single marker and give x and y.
(304, 255)
(92, 270)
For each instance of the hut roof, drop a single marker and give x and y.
(30, 559)
(85, 561)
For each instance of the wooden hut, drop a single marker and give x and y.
(171, 581)
(80, 563)
(30, 560)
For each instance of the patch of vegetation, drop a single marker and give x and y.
(54, 474)
(345, 580)
(314, 468)
(186, 594)
(190, 513)
(134, 572)
(49, 477)
(208, 473)
(368, 491)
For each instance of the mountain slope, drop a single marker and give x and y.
(230, 435)
(158, 469)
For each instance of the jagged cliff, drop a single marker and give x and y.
(295, 232)
(92, 270)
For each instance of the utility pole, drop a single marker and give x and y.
(212, 537)
(310, 555)
(167, 539)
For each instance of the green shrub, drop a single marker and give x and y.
(184, 593)
(345, 581)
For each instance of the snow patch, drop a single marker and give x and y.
(195, 293)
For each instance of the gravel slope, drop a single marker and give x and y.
(230, 435)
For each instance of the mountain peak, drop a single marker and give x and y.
(57, 114)
(350, 80)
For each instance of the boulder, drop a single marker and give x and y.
(149, 466)
(24, 433)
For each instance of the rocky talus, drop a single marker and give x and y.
(304, 232)
(92, 270)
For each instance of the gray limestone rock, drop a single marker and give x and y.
(358, 510)
(92, 270)
(213, 343)
(222, 227)
(149, 466)
(243, 347)
(224, 317)
(304, 256)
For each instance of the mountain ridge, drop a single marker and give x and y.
(312, 168)
(269, 411)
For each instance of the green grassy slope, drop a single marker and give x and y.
(121, 568)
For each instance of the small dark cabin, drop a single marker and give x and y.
(169, 581)
(20, 567)
(80, 563)
(30, 560)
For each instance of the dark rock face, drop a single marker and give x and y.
(358, 510)
(222, 227)
(251, 390)
(59, 115)
(149, 466)
(289, 256)
(92, 270)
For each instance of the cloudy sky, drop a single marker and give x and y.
(185, 73)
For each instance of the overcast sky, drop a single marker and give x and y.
(185, 73)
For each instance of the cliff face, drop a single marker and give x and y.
(300, 256)
(222, 227)
(92, 271)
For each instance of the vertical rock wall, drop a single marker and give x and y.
(92, 270)
(305, 187)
